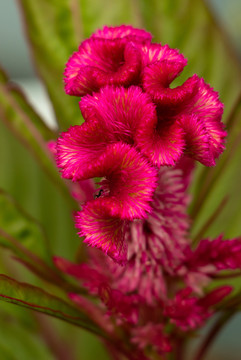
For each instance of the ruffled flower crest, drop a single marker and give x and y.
(127, 191)
(189, 114)
(135, 122)
(109, 57)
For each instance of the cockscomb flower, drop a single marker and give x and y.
(134, 123)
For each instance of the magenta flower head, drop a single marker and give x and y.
(134, 123)
(188, 117)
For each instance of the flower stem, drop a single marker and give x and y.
(217, 327)
(179, 351)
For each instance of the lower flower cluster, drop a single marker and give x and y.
(161, 293)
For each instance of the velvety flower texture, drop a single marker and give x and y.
(156, 245)
(134, 122)
(109, 57)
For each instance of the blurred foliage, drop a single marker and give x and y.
(54, 29)
(17, 342)
(22, 227)
(34, 298)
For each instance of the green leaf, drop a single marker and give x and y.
(34, 298)
(21, 176)
(19, 342)
(22, 124)
(52, 34)
(26, 238)
(23, 227)
(23, 121)
(25, 106)
(6, 353)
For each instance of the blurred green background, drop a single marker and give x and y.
(212, 43)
